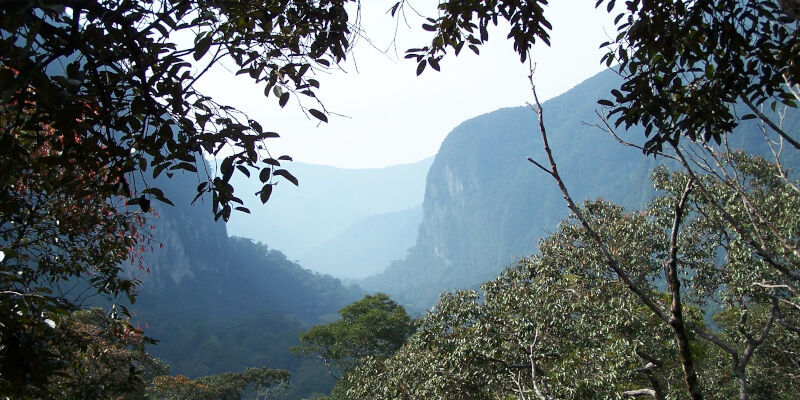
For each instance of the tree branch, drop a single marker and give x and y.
(610, 260)
(769, 122)
(676, 321)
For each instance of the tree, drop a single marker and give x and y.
(685, 65)
(374, 326)
(566, 324)
(264, 382)
(133, 106)
(60, 237)
(105, 359)
(99, 99)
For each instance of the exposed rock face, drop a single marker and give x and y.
(486, 205)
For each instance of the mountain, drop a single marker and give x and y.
(486, 206)
(217, 303)
(368, 246)
(327, 202)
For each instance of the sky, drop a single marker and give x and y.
(386, 115)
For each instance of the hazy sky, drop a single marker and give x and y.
(391, 116)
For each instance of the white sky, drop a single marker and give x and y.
(395, 117)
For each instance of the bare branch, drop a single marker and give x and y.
(769, 122)
(611, 131)
(759, 249)
(610, 260)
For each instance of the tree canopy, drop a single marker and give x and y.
(563, 324)
(374, 326)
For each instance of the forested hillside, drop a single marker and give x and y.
(486, 205)
(217, 303)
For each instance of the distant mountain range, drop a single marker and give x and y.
(308, 223)
(368, 246)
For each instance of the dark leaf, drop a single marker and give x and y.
(420, 67)
(201, 47)
(266, 191)
(263, 176)
(284, 173)
(318, 115)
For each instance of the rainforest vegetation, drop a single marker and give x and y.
(694, 295)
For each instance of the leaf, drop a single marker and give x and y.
(284, 99)
(318, 115)
(289, 177)
(263, 176)
(154, 191)
(604, 102)
(265, 192)
(285, 158)
(420, 67)
(201, 47)
(434, 63)
(226, 169)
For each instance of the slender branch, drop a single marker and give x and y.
(610, 260)
(769, 122)
(642, 392)
(649, 363)
(753, 343)
(611, 131)
(762, 251)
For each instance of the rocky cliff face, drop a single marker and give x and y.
(486, 206)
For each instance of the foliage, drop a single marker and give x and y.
(145, 112)
(63, 237)
(226, 386)
(563, 324)
(374, 326)
(684, 63)
(98, 96)
(102, 358)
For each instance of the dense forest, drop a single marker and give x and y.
(635, 237)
